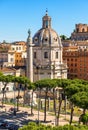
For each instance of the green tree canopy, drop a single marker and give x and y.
(80, 99)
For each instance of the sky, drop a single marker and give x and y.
(18, 16)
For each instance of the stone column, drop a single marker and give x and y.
(29, 57)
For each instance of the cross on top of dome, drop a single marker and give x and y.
(46, 11)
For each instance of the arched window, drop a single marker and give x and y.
(45, 54)
(46, 39)
(87, 29)
(77, 30)
(36, 39)
(83, 30)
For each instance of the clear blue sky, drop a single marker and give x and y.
(17, 16)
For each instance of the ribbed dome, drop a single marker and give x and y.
(46, 35)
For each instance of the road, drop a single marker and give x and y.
(23, 116)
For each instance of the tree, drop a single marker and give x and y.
(39, 89)
(80, 99)
(74, 87)
(84, 118)
(71, 90)
(46, 85)
(61, 83)
(63, 37)
(32, 88)
(5, 79)
(19, 81)
(54, 95)
(26, 85)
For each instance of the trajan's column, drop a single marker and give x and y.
(29, 57)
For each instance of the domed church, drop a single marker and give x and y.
(44, 53)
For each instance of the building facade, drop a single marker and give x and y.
(4, 54)
(80, 33)
(44, 53)
(17, 54)
(13, 54)
(75, 53)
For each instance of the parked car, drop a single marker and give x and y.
(10, 126)
(3, 123)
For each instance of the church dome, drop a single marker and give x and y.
(46, 36)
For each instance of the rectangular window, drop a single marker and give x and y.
(13, 49)
(34, 54)
(56, 55)
(16, 48)
(75, 64)
(19, 48)
(11, 59)
(45, 54)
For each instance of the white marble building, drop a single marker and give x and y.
(44, 53)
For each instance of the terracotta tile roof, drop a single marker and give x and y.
(4, 69)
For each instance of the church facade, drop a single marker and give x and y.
(44, 53)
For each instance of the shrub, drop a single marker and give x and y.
(34, 126)
(84, 118)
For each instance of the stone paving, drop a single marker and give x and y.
(23, 116)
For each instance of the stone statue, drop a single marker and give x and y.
(29, 32)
